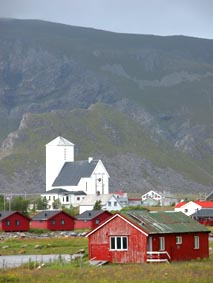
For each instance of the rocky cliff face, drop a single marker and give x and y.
(163, 84)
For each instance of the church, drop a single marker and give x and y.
(68, 180)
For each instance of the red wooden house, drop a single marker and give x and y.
(141, 236)
(90, 219)
(14, 221)
(53, 220)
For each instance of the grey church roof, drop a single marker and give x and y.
(60, 191)
(72, 172)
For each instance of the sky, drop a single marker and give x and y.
(158, 17)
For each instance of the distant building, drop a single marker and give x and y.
(204, 216)
(53, 220)
(163, 198)
(192, 207)
(108, 202)
(14, 221)
(63, 172)
(90, 219)
(58, 198)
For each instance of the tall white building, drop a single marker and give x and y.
(62, 171)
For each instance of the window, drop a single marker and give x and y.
(178, 240)
(17, 223)
(7, 222)
(109, 203)
(97, 221)
(78, 198)
(53, 222)
(67, 198)
(115, 203)
(196, 242)
(186, 210)
(118, 243)
(62, 222)
(162, 243)
(65, 153)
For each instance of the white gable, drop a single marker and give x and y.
(60, 141)
(152, 194)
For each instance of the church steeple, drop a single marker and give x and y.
(58, 151)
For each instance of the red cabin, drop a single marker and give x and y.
(90, 219)
(14, 221)
(141, 236)
(53, 220)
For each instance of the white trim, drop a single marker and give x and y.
(110, 219)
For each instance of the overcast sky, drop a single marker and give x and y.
(159, 17)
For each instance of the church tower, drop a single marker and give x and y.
(58, 151)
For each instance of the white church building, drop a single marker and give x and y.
(67, 176)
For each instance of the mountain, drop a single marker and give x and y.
(141, 103)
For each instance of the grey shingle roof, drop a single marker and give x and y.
(45, 215)
(89, 214)
(72, 172)
(5, 214)
(165, 222)
(208, 212)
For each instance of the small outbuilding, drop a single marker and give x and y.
(141, 236)
(90, 219)
(14, 221)
(53, 220)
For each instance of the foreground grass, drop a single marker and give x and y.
(43, 246)
(196, 272)
(80, 271)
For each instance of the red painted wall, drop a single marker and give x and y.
(184, 251)
(24, 223)
(91, 224)
(99, 243)
(68, 225)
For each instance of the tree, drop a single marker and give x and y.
(2, 203)
(19, 204)
(41, 203)
(56, 204)
(97, 205)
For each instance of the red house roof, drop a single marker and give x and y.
(204, 204)
(180, 204)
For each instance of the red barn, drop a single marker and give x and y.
(14, 221)
(141, 236)
(90, 219)
(53, 220)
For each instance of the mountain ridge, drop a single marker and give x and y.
(163, 85)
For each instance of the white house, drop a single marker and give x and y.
(192, 207)
(162, 199)
(63, 172)
(56, 198)
(108, 202)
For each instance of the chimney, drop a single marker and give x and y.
(90, 159)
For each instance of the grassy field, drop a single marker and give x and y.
(80, 270)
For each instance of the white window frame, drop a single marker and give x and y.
(196, 242)
(162, 243)
(120, 243)
(178, 240)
